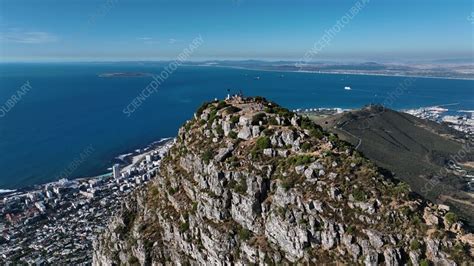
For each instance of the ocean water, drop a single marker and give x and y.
(71, 121)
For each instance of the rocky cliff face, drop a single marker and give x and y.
(250, 182)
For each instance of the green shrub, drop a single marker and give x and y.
(254, 153)
(281, 211)
(300, 159)
(320, 226)
(451, 218)
(187, 125)
(351, 229)
(405, 210)
(269, 110)
(415, 245)
(283, 112)
(306, 123)
(241, 187)
(221, 104)
(316, 133)
(424, 262)
(268, 131)
(416, 220)
(201, 109)
(260, 99)
(402, 190)
(333, 137)
(153, 192)
(305, 159)
(272, 121)
(460, 252)
(359, 194)
(232, 109)
(235, 119)
(219, 130)
(302, 221)
(133, 260)
(234, 161)
(263, 143)
(306, 146)
(257, 118)
(233, 134)
(288, 183)
(231, 184)
(212, 117)
(183, 227)
(244, 234)
(172, 190)
(207, 156)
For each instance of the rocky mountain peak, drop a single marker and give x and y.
(248, 181)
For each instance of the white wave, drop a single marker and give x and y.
(122, 156)
(161, 140)
(7, 190)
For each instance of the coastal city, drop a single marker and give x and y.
(462, 121)
(61, 218)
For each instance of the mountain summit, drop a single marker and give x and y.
(248, 181)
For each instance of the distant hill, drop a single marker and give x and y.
(460, 70)
(416, 150)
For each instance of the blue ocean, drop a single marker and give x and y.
(69, 108)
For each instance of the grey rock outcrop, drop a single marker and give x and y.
(259, 199)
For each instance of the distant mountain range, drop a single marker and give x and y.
(443, 68)
(459, 69)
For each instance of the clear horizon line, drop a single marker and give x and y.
(381, 61)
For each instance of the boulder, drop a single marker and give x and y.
(224, 153)
(245, 133)
(255, 131)
(269, 152)
(429, 217)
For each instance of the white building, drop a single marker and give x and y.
(57, 190)
(49, 194)
(88, 195)
(125, 174)
(40, 206)
(116, 171)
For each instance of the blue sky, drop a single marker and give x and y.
(112, 30)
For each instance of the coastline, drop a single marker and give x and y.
(128, 160)
(4, 191)
(133, 158)
(334, 73)
(63, 217)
